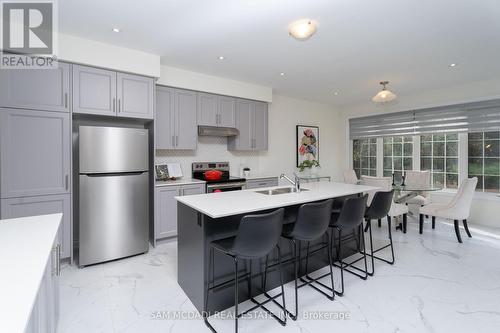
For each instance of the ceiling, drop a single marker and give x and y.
(358, 43)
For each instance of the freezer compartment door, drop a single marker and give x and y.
(114, 216)
(112, 149)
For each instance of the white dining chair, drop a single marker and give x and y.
(385, 184)
(417, 179)
(350, 177)
(458, 209)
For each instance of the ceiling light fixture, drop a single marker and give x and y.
(453, 65)
(302, 29)
(335, 93)
(384, 95)
(282, 73)
(116, 29)
(221, 58)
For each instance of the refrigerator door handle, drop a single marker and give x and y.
(107, 174)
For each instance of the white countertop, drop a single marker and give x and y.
(25, 246)
(230, 203)
(181, 181)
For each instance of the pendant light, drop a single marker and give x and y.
(384, 95)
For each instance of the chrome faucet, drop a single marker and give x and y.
(296, 183)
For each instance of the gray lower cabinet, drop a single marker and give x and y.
(37, 89)
(166, 207)
(94, 91)
(35, 153)
(134, 96)
(262, 182)
(176, 126)
(216, 110)
(45, 311)
(108, 93)
(41, 205)
(252, 123)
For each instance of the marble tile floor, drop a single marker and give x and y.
(436, 285)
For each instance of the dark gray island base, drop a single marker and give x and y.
(195, 232)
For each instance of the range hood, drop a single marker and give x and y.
(217, 131)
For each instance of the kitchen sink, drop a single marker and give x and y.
(281, 190)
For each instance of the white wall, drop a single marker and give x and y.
(284, 114)
(89, 52)
(485, 206)
(180, 78)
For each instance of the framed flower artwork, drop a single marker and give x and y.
(307, 143)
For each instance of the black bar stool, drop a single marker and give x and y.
(379, 208)
(350, 218)
(257, 236)
(311, 224)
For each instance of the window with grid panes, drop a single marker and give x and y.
(484, 160)
(398, 156)
(365, 157)
(439, 154)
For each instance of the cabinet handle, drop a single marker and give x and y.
(119, 105)
(114, 105)
(54, 260)
(173, 141)
(66, 182)
(176, 140)
(58, 262)
(66, 100)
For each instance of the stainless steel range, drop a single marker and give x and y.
(223, 183)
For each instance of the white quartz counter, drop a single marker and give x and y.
(230, 203)
(181, 181)
(25, 247)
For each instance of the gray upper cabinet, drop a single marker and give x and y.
(134, 96)
(37, 89)
(227, 111)
(41, 205)
(252, 122)
(34, 153)
(244, 123)
(108, 93)
(176, 119)
(186, 135)
(165, 118)
(207, 109)
(215, 110)
(260, 126)
(94, 91)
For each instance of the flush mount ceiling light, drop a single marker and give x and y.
(221, 58)
(116, 29)
(282, 73)
(453, 65)
(302, 29)
(335, 93)
(384, 95)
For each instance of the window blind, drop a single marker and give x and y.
(471, 117)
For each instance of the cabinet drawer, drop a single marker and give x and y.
(264, 182)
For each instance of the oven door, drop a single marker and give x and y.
(225, 187)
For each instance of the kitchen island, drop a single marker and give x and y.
(204, 218)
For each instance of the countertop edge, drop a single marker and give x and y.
(23, 312)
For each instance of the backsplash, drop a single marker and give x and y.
(210, 149)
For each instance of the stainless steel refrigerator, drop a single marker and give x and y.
(114, 193)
